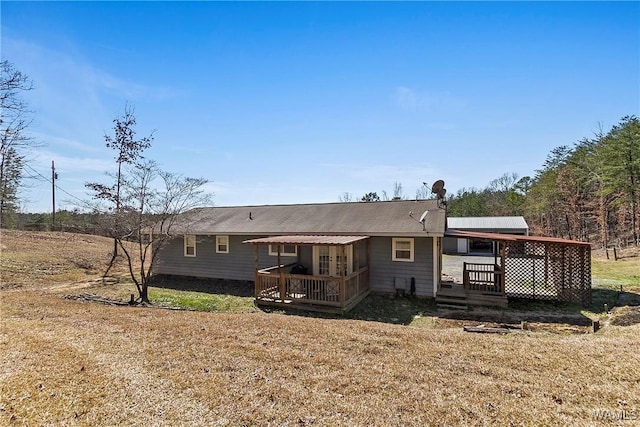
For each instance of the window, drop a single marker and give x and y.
(222, 244)
(189, 245)
(146, 238)
(286, 250)
(402, 249)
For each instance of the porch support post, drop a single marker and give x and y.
(282, 287)
(356, 249)
(546, 264)
(341, 265)
(502, 264)
(256, 283)
(437, 264)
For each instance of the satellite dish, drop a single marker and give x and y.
(442, 193)
(423, 216)
(437, 186)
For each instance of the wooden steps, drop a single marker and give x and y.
(452, 295)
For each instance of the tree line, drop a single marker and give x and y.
(588, 192)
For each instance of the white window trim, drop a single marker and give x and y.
(224, 240)
(273, 250)
(394, 242)
(187, 238)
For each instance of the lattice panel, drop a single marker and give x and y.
(551, 271)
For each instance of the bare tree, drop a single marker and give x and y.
(398, 193)
(129, 151)
(424, 192)
(15, 118)
(346, 197)
(152, 202)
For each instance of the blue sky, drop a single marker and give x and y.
(300, 102)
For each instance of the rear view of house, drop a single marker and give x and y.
(329, 255)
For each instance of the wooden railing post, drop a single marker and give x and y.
(465, 276)
(282, 288)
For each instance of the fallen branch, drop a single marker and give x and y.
(485, 330)
(118, 302)
(96, 298)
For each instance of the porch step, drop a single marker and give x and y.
(488, 300)
(457, 298)
(451, 300)
(452, 306)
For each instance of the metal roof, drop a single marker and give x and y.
(488, 223)
(512, 237)
(391, 218)
(308, 240)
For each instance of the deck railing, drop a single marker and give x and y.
(483, 278)
(274, 284)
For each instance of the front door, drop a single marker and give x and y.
(328, 260)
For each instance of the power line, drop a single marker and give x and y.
(56, 185)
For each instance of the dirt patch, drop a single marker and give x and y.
(553, 328)
(625, 316)
(627, 310)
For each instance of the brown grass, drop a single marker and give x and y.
(66, 362)
(42, 258)
(70, 362)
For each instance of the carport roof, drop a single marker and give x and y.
(488, 223)
(511, 237)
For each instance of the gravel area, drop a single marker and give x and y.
(452, 264)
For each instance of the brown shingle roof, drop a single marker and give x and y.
(357, 218)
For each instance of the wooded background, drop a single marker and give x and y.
(587, 192)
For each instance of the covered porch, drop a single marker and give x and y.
(532, 267)
(334, 279)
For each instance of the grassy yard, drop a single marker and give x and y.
(79, 363)
(69, 362)
(623, 272)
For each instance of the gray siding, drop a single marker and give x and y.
(238, 264)
(383, 270)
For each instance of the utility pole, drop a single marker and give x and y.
(54, 176)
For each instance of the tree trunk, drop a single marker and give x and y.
(113, 257)
(144, 293)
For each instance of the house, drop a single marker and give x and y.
(515, 225)
(328, 255)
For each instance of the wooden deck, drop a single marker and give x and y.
(482, 284)
(275, 287)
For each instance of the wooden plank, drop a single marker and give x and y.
(485, 330)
